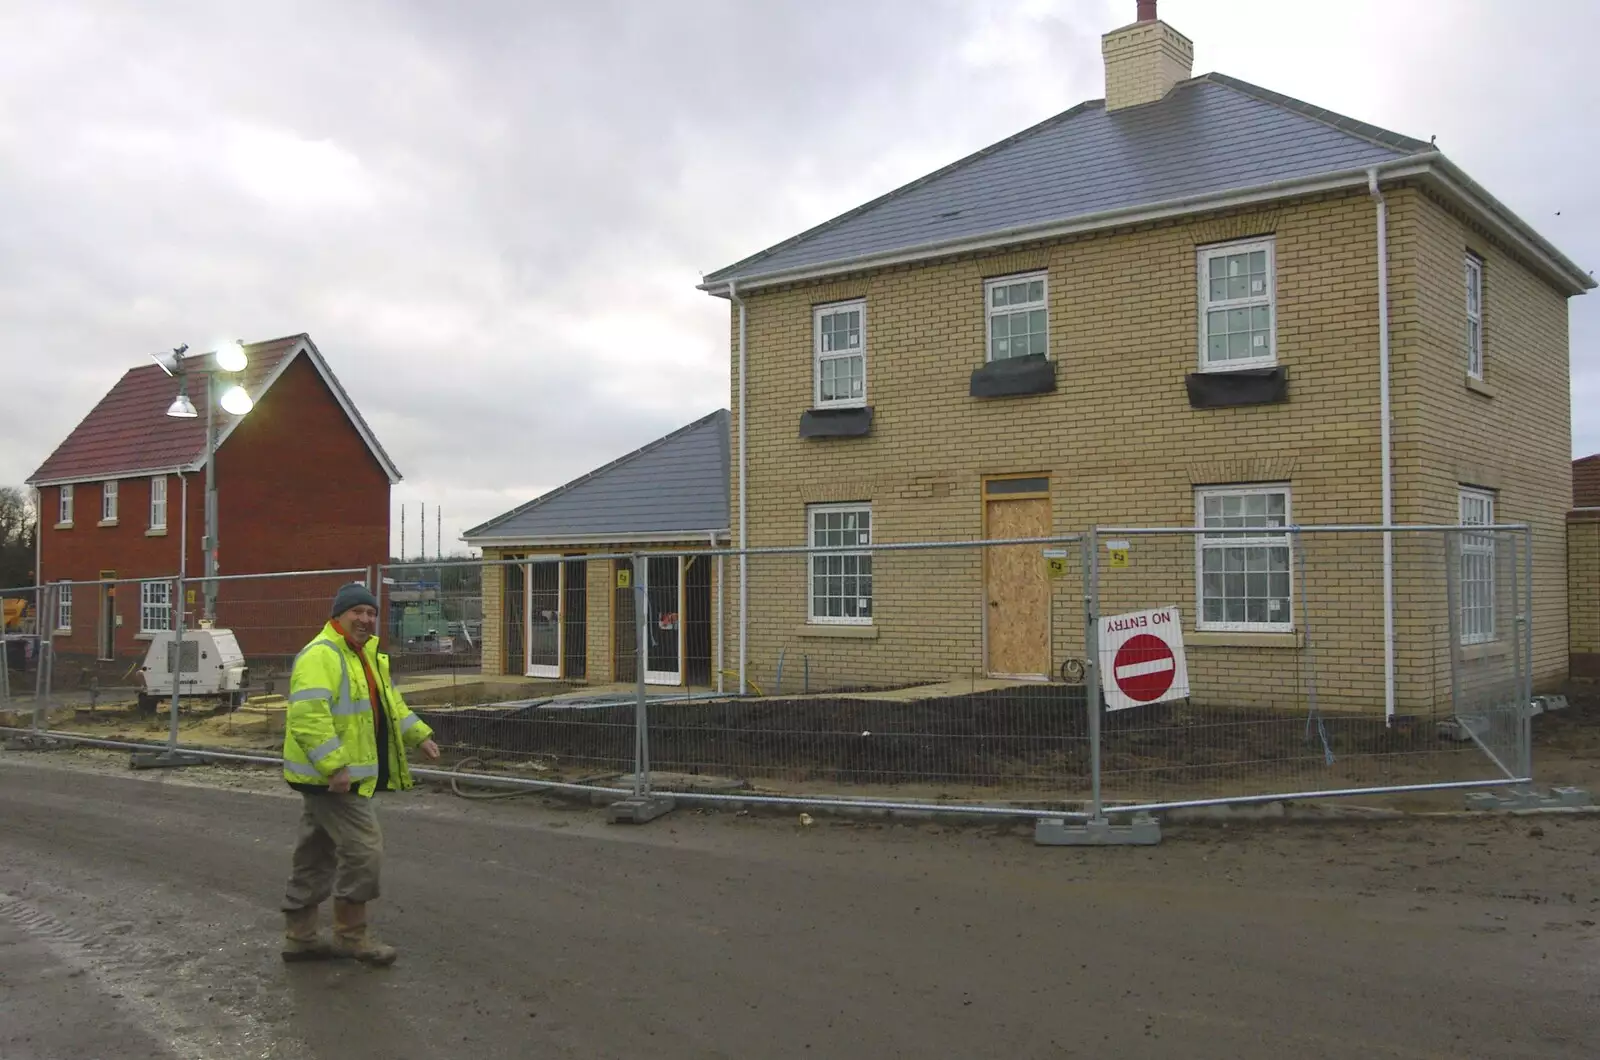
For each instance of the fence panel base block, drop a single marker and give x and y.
(1142, 831)
(640, 809)
(163, 760)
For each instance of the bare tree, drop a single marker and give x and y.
(17, 533)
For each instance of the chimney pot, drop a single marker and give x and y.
(1147, 10)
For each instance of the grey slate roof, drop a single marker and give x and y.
(678, 483)
(1210, 135)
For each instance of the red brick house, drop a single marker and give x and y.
(302, 484)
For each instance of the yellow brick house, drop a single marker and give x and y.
(1172, 307)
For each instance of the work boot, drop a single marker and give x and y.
(300, 939)
(351, 938)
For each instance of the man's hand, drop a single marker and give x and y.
(430, 749)
(340, 781)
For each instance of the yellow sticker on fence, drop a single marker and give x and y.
(188, 596)
(624, 579)
(1057, 567)
(1119, 557)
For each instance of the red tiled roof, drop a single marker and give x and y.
(129, 431)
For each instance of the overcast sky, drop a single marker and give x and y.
(491, 214)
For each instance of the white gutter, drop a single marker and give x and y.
(116, 476)
(744, 522)
(1384, 443)
(663, 537)
(1431, 164)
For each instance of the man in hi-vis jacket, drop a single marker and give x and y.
(346, 739)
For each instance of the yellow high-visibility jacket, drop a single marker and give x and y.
(330, 717)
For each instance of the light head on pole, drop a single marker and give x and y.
(236, 400)
(230, 357)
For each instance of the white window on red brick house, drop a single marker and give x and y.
(155, 607)
(1019, 317)
(108, 502)
(840, 354)
(1477, 568)
(63, 609)
(64, 516)
(158, 503)
(1238, 328)
(841, 582)
(1245, 559)
(1474, 316)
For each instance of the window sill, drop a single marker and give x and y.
(64, 526)
(820, 630)
(144, 636)
(106, 522)
(1014, 377)
(1220, 388)
(836, 421)
(156, 531)
(1479, 387)
(1217, 638)
(1490, 649)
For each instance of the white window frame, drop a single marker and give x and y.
(812, 511)
(1203, 258)
(1476, 507)
(818, 356)
(158, 502)
(64, 512)
(108, 501)
(155, 607)
(1236, 539)
(990, 311)
(1474, 307)
(63, 608)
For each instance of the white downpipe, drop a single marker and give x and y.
(744, 526)
(722, 659)
(1384, 436)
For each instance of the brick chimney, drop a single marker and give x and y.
(1144, 60)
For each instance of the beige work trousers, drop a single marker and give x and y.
(339, 851)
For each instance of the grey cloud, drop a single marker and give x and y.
(490, 215)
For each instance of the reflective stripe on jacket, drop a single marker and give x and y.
(330, 723)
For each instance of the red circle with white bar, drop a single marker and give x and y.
(1144, 668)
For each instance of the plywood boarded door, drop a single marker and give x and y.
(1017, 587)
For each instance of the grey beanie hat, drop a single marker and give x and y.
(353, 595)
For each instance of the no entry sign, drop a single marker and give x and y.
(1141, 658)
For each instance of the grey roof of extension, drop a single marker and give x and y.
(678, 483)
(1211, 135)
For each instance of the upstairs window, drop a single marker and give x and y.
(108, 502)
(1474, 317)
(64, 516)
(158, 503)
(1237, 306)
(840, 354)
(1019, 317)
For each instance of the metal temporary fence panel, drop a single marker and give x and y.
(1247, 659)
(942, 672)
(433, 614)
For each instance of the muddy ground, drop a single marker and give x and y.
(138, 918)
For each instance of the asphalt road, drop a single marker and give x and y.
(138, 918)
